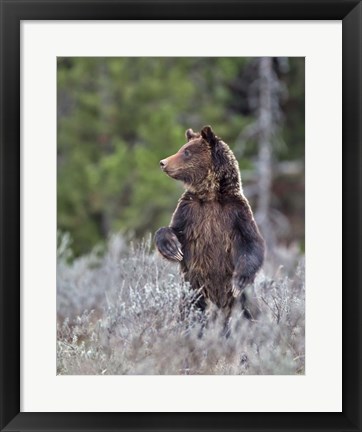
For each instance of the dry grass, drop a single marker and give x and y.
(119, 313)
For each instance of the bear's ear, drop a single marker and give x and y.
(217, 150)
(208, 135)
(190, 134)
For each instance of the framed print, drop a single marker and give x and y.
(120, 312)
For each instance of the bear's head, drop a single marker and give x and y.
(204, 164)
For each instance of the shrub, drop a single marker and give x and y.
(119, 313)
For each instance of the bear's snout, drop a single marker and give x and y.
(170, 164)
(163, 163)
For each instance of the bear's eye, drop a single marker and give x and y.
(187, 153)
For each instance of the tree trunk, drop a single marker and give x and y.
(266, 131)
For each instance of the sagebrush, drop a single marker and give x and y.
(119, 312)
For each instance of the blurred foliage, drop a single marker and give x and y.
(117, 117)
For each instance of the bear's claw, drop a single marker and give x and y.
(235, 291)
(239, 283)
(168, 244)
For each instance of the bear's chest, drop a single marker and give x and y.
(207, 221)
(208, 232)
(207, 248)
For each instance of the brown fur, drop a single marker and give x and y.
(212, 232)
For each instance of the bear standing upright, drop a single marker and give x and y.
(212, 232)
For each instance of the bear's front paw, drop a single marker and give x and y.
(168, 245)
(235, 291)
(238, 285)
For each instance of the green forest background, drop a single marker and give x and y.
(117, 117)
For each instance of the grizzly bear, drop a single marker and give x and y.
(212, 232)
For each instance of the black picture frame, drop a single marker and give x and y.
(12, 12)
